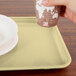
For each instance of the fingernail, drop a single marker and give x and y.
(45, 2)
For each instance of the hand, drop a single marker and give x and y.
(70, 12)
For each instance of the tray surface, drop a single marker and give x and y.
(38, 48)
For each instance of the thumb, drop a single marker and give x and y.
(54, 2)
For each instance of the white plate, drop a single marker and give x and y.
(8, 29)
(9, 46)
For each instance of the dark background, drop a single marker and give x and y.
(66, 27)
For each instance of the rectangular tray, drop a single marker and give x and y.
(38, 48)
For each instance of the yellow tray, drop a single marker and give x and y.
(38, 48)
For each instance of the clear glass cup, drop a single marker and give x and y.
(46, 16)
